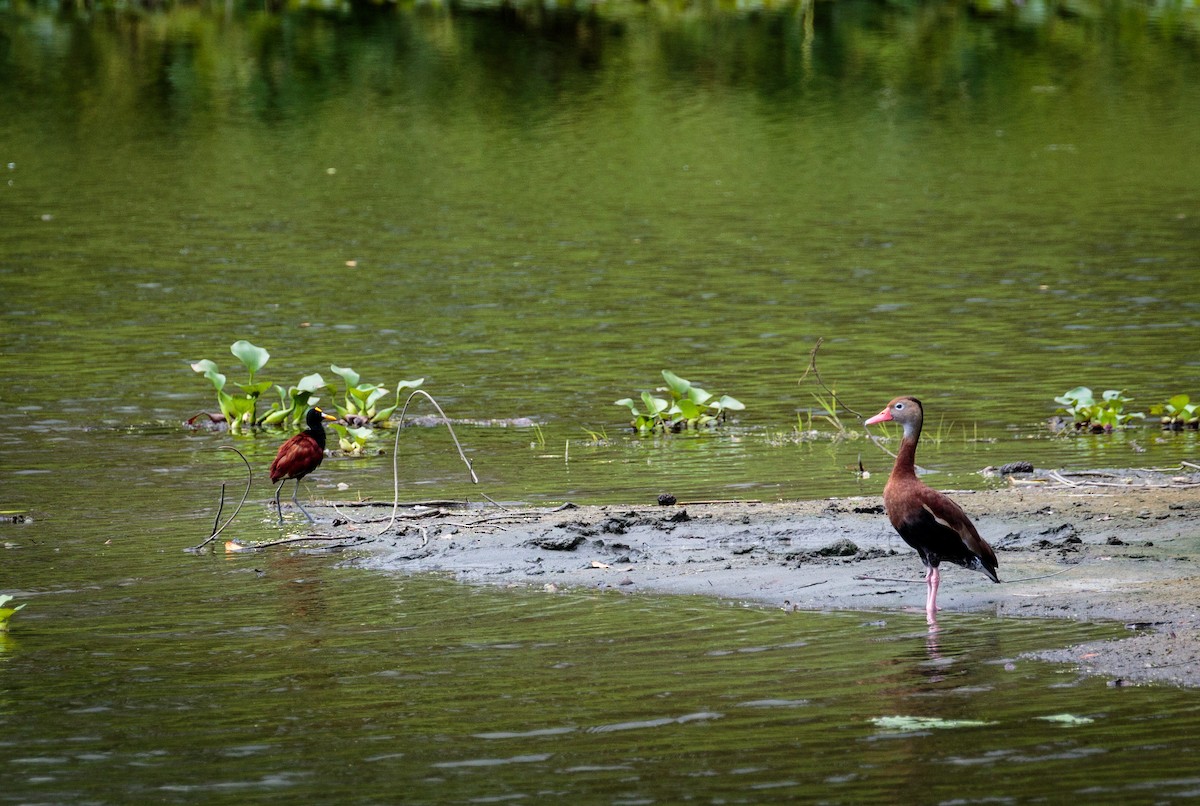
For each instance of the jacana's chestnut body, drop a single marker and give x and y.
(299, 456)
(926, 519)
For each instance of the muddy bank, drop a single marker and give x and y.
(1085, 547)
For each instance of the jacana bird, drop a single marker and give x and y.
(928, 520)
(299, 456)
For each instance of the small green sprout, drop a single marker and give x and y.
(6, 612)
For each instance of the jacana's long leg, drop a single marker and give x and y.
(278, 508)
(296, 492)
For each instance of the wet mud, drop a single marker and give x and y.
(1096, 547)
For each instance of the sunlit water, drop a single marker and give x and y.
(537, 211)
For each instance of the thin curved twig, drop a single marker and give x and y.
(396, 453)
(812, 367)
(245, 494)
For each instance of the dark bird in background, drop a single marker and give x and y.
(928, 520)
(299, 456)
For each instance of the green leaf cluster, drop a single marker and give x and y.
(6, 612)
(1104, 414)
(688, 406)
(1177, 413)
(361, 404)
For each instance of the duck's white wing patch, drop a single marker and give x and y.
(940, 520)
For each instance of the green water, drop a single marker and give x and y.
(546, 208)
(537, 210)
(277, 677)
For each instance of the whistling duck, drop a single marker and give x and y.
(299, 456)
(928, 520)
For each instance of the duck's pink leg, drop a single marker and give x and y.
(932, 578)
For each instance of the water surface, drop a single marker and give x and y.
(537, 210)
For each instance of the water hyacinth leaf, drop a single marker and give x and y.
(627, 401)
(688, 409)
(7, 612)
(310, 383)
(276, 416)
(209, 370)
(242, 409)
(678, 386)
(1080, 395)
(731, 403)
(255, 389)
(699, 396)
(383, 414)
(254, 358)
(654, 405)
(348, 375)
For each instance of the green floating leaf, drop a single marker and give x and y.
(1067, 719)
(348, 375)
(310, 383)
(254, 358)
(913, 723)
(654, 405)
(6, 612)
(688, 409)
(678, 386)
(255, 389)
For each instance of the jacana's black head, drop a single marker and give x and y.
(315, 419)
(316, 429)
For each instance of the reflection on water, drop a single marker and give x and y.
(279, 673)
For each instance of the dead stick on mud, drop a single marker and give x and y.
(285, 540)
(220, 508)
(396, 453)
(494, 502)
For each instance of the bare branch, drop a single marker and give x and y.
(812, 367)
(396, 453)
(249, 478)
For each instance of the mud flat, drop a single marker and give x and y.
(1096, 547)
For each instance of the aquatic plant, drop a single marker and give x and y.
(294, 401)
(360, 402)
(6, 612)
(1177, 413)
(360, 405)
(1096, 415)
(689, 406)
(830, 408)
(238, 410)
